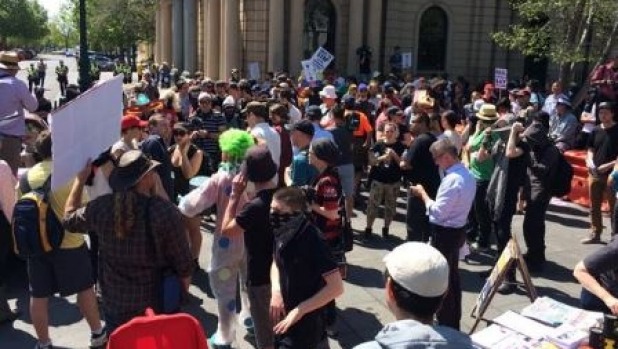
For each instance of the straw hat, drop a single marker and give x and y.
(487, 112)
(9, 60)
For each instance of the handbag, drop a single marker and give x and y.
(169, 286)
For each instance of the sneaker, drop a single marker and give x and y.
(212, 343)
(506, 288)
(98, 340)
(43, 346)
(479, 248)
(593, 238)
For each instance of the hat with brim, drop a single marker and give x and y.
(132, 166)
(9, 61)
(487, 112)
(564, 101)
(329, 91)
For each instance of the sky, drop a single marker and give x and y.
(52, 6)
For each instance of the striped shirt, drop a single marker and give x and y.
(212, 122)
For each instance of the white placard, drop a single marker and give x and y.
(501, 78)
(84, 128)
(309, 70)
(254, 71)
(406, 60)
(321, 59)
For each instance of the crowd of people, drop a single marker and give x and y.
(282, 165)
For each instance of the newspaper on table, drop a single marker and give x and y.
(567, 336)
(523, 325)
(500, 337)
(553, 313)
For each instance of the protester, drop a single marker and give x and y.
(14, 98)
(133, 218)
(600, 159)
(55, 272)
(305, 276)
(257, 121)
(551, 101)
(326, 207)
(185, 157)
(345, 167)
(209, 125)
(385, 177)
(563, 126)
(481, 167)
(314, 114)
(420, 169)
(301, 173)
(155, 147)
(227, 258)
(7, 201)
(596, 273)
(131, 132)
(253, 221)
(448, 214)
(417, 281)
(279, 118)
(541, 169)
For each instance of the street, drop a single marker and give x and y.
(362, 308)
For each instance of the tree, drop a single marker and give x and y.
(568, 32)
(62, 29)
(22, 22)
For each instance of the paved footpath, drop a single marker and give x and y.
(362, 309)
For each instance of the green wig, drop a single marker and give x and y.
(234, 143)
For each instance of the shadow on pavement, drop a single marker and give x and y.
(14, 338)
(363, 324)
(567, 221)
(572, 211)
(376, 242)
(556, 272)
(365, 277)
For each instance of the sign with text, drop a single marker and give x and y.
(254, 71)
(309, 70)
(321, 59)
(501, 78)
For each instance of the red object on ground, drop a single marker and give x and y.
(159, 332)
(579, 185)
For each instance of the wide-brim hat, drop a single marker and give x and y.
(9, 60)
(131, 167)
(487, 112)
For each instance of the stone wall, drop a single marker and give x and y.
(254, 31)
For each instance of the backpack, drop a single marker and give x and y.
(352, 121)
(36, 228)
(561, 180)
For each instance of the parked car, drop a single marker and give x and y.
(69, 52)
(104, 63)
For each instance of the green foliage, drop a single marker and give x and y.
(118, 24)
(22, 22)
(62, 29)
(565, 31)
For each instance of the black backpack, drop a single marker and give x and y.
(561, 180)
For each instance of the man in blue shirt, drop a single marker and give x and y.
(448, 214)
(300, 171)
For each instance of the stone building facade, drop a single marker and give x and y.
(450, 36)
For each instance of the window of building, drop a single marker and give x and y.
(319, 26)
(432, 39)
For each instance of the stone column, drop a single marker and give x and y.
(297, 14)
(275, 35)
(165, 42)
(177, 34)
(190, 35)
(373, 34)
(355, 36)
(213, 30)
(230, 55)
(158, 36)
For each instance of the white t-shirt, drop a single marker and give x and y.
(294, 113)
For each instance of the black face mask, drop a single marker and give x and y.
(278, 220)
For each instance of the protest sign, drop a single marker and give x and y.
(321, 59)
(501, 78)
(84, 128)
(309, 70)
(406, 60)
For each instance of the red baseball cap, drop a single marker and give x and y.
(129, 121)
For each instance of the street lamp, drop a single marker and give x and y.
(84, 58)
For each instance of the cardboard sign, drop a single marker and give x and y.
(84, 128)
(309, 70)
(509, 256)
(501, 78)
(321, 59)
(406, 60)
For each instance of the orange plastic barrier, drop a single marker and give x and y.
(579, 185)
